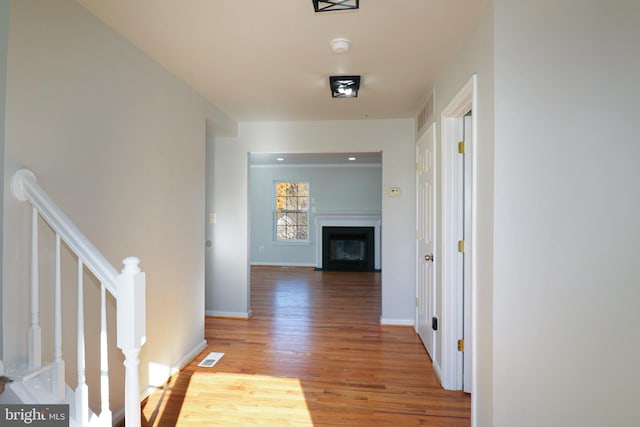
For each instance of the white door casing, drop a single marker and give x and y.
(467, 227)
(425, 237)
(458, 223)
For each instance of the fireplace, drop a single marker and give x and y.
(348, 248)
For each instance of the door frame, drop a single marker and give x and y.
(452, 118)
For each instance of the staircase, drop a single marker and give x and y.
(45, 383)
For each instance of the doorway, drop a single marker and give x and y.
(458, 245)
(344, 189)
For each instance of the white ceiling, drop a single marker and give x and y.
(263, 60)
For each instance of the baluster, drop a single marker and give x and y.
(58, 383)
(131, 333)
(82, 391)
(35, 339)
(105, 412)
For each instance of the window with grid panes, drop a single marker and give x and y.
(291, 216)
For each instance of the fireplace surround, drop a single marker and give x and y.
(348, 219)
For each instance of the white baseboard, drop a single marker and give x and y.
(283, 264)
(232, 314)
(191, 355)
(438, 371)
(396, 322)
(175, 368)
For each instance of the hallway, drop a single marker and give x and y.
(312, 354)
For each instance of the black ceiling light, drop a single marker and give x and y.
(329, 5)
(344, 86)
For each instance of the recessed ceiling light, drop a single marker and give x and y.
(351, 159)
(280, 159)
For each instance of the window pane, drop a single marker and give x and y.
(291, 210)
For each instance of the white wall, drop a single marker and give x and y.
(119, 144)
(227, 287)
(567, 213)
(333, 188)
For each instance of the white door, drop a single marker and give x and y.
(425, 214)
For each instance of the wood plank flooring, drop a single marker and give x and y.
(313, 354)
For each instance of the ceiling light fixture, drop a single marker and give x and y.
(344, 86)
(352, 159)
(331, 5)
(340, 45)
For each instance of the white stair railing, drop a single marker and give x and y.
(128, 289)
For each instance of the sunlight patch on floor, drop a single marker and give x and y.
(237, 397)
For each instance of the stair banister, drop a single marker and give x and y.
(26, 188)
(127, 287)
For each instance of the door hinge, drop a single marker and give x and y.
(460, 345)
(417, 235)
(461, 147)
(417, 167)
(460, 245)
(416, 301)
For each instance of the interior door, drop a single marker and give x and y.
(425, 215)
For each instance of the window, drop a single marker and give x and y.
(292, 211)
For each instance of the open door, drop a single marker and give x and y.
(426, 323)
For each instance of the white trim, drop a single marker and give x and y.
(282, 264)
(175, 368)
(438, 371)
(291, 242)
(232, 314)
(348, 219)
(474, 248)
(184, 361)
(452, 322)
(396, 322)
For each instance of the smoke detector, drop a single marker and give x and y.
(340, 45)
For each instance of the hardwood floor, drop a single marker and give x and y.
(313, 354)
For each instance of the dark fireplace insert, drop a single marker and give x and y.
(348, 248)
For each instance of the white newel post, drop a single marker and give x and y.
(131, 317)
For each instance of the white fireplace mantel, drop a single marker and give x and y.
(348, 219)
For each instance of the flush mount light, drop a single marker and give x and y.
(351, 159)
(344, 86)
(328, 5)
